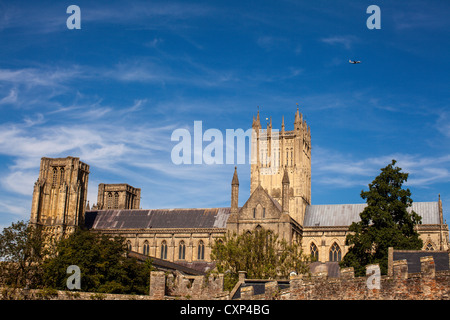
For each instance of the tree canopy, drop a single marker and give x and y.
(259, 253)
(22, 251)
(29, 258)
(385, 222)
(103, 264)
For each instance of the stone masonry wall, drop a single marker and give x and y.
(426, 285)
(7, 293)
(186, 287)
(429, 284)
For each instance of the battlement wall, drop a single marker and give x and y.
(428, 284)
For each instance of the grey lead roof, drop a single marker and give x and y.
(345, 214)
(157, 218)
(316, 215)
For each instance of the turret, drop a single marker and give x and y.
(298, 120)
(235, 192)
(256, 125)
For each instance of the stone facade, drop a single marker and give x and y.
(263, 211)
(118, 196)
(59, 195)
(326, 241)
(167, 243)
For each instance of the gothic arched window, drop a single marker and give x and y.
(116, 200)
(181, 250)
(279, 159)
(129, 245)
(61, 178)
(164, 250)
(146, 250)
(55, 177)
(335, 252)
(314, 252)
(109, 201)
(201, 251)
(429, 247)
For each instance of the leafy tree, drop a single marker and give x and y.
(22, 251)
(385, 222)
(260, 253)
(103, 264)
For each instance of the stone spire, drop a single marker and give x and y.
(235, 192)
(257, 122)
(298, 120)
(235, 180)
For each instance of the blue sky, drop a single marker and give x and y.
(113, 92)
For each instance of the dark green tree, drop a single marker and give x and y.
(103, 264)
(385, 222)
(259, 253)
(22, 251)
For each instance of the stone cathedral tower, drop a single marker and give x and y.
(59, 195)
(118, 196)
(272, 152)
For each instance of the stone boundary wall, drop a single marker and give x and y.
(7, 293)
(163, 286)
(429, 284)
(426, 285)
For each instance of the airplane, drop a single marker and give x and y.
(354, 61)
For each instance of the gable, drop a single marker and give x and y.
(260, 205)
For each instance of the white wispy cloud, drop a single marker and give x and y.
(39, 77)
(443, 123)
(412, 17)
(11, 98)
(271, 42)
(340, 170)
(42, 18)
(15, 207)
(346, 41)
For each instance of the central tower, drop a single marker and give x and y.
(272, 152)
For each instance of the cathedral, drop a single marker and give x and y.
(280, 200)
